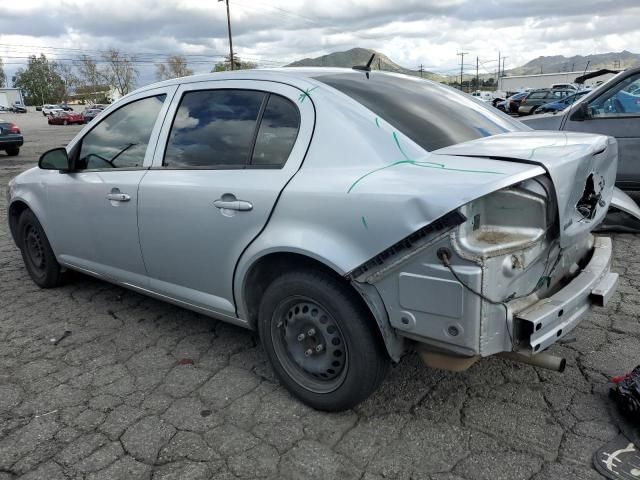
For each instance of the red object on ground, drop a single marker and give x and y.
(620, 378)
(185, 361)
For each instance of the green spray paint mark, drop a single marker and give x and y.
(416, 163)
(424, 164)
(305, 94)
(364, 223)
(395, 137)
(377, 123)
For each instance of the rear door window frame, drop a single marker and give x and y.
(306, 120)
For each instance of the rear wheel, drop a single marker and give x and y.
(13, 151)
(37, 254)
(320, 341)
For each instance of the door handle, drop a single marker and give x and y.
(239, 205)
(118, 197)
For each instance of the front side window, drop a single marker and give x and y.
(622, 100)
(214, 129)
(120, 140)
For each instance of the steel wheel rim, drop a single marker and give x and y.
(309, 344)
(35, 248)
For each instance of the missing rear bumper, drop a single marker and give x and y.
(550, 319)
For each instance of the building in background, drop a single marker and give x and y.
(545, 80)
(10, 97)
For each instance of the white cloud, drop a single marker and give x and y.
(411, 32)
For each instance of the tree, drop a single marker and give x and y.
(88, 73)
(39, 81)
(119, 71)
(175, 66)
(69, 78)
(237, 63)
(3, 76)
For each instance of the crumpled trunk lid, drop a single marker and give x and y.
(581, 166)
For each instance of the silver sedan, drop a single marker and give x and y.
(348, 216)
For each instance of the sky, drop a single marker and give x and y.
(276, 32)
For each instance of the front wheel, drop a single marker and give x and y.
(37, 254)
(320, 340)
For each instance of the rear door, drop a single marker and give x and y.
(228, 148)
(616, 112)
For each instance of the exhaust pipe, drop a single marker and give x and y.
(544, 360)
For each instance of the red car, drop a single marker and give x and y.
(66, 118)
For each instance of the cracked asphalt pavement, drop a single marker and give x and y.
(142, 389)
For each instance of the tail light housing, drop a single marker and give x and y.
(14, 128)
(523, 101)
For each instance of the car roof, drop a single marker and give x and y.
(296, 76)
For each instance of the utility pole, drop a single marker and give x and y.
(499, 62)
(421, 70)
(477, 77)
(503, 59)
(462, 54)
(231, 59)
(379, 64)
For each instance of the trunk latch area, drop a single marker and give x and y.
(591, 198)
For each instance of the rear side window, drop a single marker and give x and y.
(120, 140)
(214, 129)
(537, 95)
(277, 133)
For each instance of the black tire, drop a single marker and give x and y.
(533, 111)
(352, 362)
(36, 251)
(13, 151)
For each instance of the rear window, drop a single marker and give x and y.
(432, 115)
(537, 95)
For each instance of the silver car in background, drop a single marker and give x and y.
(348, 216)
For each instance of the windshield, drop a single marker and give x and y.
(431, 114)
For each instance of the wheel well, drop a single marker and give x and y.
(15, 210)
(271, 266)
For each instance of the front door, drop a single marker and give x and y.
(616, 112)
(231, 147)
(94, 207)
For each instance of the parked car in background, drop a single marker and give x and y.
(11, 138)
(611, 109)
(561, 104)
(50, 109)
(4, 108)
(482, 95)
(321, 208)
(90, 113)
(66, 118)
(513, 102)
(18, 109)
(66, 107)
(564, 86)
(536, 98)
(39, 108)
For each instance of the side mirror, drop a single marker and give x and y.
(582, 112)
(55, 159)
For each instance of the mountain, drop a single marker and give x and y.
(360, 56)
(560, 63)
